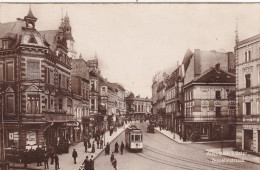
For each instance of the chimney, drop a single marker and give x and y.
(217, 67)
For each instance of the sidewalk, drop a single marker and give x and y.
(172, 136)
(177, 139)
(229, 152)
(66, 161)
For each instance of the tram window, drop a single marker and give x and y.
(137, 137)
(132, 137)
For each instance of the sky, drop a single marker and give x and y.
(135, 41)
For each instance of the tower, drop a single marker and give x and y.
(30, 19)
(236, 31)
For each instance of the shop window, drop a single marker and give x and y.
(248, 108)
(204, 131)
(10, 103)
(10, 71)
(132, 137)
(248, 80)
(218, 111)
(33, 69)
(33, 103)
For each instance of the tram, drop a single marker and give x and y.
(134, 138)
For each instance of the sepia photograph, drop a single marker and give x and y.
(129, 85)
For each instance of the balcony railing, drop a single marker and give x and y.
(210, 118)
(251, 118)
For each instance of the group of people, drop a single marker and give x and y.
(40, 155)
(88, 164)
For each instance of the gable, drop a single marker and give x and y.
(33, 88)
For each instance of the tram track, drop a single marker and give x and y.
(184, 159)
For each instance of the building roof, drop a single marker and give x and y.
(186, 59)
(50, 37)
(142, 99)
(214, 75)
(11, 27)
(256, 37)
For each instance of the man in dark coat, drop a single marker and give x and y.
(116, 147)
(91, 163)
(114, 163)
(86, 145)
(101, 143)
(52, 156)
(93, 147)
(56, 160)
(86, 164)
(25, 158)
(122, 147)
(38, 156)
(74, 155)
(46, 160)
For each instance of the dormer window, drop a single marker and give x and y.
(5, 44)
(32, 40)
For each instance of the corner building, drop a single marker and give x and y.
(248, 94)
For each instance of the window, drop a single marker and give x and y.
(51, 77)
(246, 56)
(248, 80)
(204, 131)
(59, 80)
(103, 91)
(32, 40)
(10, 71)
(137, 137)
(5, 44)
(92, 104)
(248, 108)
(92, 83)
(52, 103)
(218, 111)
(1, 72)
(68, 83)
(10, 103)
(218, 95)
(135, 108)
(33, 69)
(60, 104)
(33, 103)
(142, 108)
(132, 137)
(249, 55)
(64, 82)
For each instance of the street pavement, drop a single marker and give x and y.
(66, 161)
(162, 153)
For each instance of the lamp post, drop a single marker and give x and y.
(221, 130)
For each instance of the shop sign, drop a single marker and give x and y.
(31, 138)
(72, 124)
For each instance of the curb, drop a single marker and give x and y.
(234, 157)
(173, 139)
(110, 142)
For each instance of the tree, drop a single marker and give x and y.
(129, 102)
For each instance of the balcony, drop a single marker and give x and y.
(251, 118)
(209, 118)
(58, 116)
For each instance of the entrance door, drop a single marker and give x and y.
(248, 139)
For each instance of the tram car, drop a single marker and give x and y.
(134, 138)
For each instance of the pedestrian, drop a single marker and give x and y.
(97, 143)
(46, 161)
(93, 147)
(92, 167)
(116, 147)
(74, 155)
(25, 158)
(107, 150)
(86, 145)
(112, 157)
(86, 164)
(114, 163)
(52, 156)
(38, 156)
(101, 143)
(122, 147)
(56, 161)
